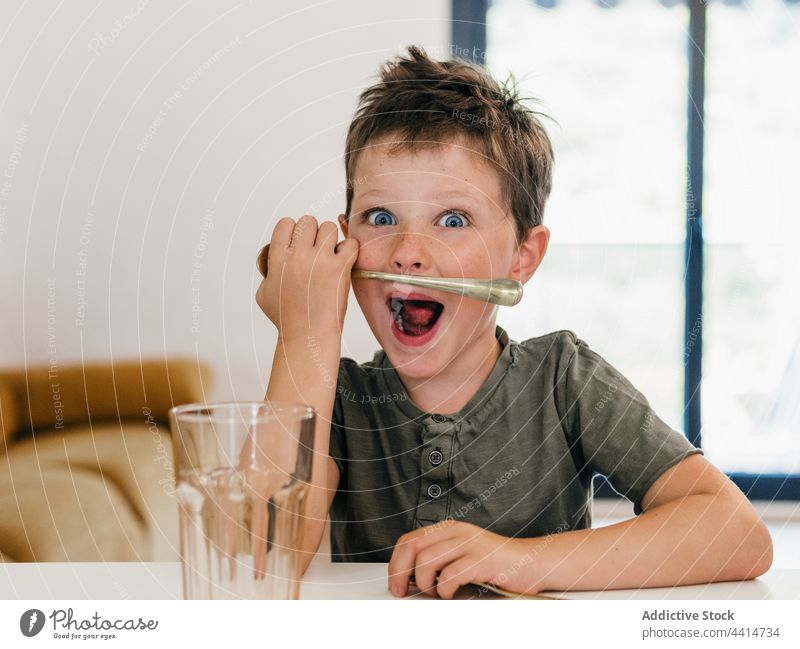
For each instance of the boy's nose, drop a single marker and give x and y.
(409, 253)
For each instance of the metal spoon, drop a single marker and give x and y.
(505, 292)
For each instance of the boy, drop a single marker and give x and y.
(457, 454)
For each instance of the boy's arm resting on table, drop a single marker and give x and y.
(696, 527)
(297, 377)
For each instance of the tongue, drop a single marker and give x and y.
(419, 313)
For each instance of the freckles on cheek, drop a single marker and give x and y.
(369, 256)
(478, 265)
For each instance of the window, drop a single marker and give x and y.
(616, 77)
(751, 375)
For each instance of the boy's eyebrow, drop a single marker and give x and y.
(372, 192)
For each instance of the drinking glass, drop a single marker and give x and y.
(242, 470)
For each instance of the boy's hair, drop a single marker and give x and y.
(426, 102)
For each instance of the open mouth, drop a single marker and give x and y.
(414, 317)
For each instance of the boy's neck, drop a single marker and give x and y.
(448, 391)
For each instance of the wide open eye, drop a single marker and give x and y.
(453, 220)
(381, 217)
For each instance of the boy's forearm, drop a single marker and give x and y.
(699, 538)
(304, 370)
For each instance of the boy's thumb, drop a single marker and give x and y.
(349, 248)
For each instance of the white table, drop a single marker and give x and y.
(324, 580)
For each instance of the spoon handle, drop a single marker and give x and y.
(505, 292)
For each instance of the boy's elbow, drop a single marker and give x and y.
(757, 551)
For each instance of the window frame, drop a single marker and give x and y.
(469, 41)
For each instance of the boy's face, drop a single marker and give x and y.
(434, 211)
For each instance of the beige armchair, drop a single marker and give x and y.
(86, 469)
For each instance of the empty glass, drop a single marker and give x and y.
(243, 470)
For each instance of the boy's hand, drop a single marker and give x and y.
(447, 555)
(308, 282)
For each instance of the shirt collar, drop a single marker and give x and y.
(475, 407)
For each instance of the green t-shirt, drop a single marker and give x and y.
(518, 459)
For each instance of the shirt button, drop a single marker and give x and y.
(436, 457)
(434, 491)
(439, 419)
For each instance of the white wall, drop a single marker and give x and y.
(139, 139)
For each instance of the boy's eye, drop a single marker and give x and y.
(453, 220)
(382, 217)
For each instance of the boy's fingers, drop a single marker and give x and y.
(453, 576)
(349, 248)
(305, 231)
(404, 557)
(431, 561)
(282, 234)
(403, 560)
(401, 567)
(327, 235)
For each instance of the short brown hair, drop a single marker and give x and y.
(427, 102)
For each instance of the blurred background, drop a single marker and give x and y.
(148, 149)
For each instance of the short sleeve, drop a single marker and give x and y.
(337, 447)
(619, 434)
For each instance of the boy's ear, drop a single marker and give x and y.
(343, 224)
(529, 254)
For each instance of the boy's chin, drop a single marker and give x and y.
(415, 365)
(416, 362)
